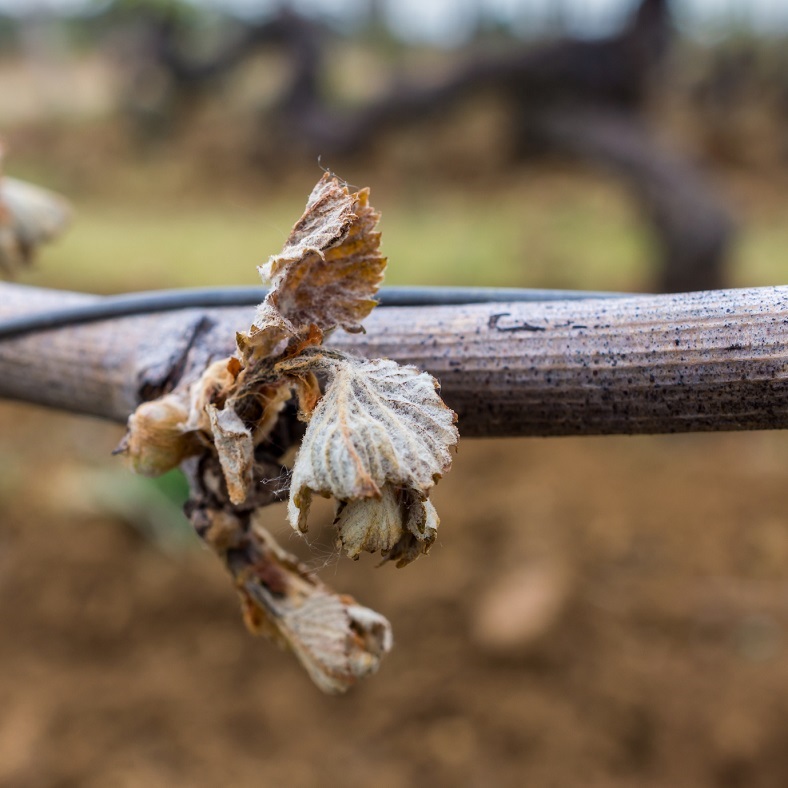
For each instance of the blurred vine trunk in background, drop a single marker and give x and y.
(583, 100)
(573, 98)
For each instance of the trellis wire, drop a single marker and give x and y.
(110, 307)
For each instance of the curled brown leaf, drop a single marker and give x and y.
(29, 217)
(337, 640)
(330, 268)
(234, 445)
(158, 439)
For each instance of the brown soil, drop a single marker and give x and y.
(598, 612)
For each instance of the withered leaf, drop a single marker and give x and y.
(157, 438)
(330, 268)
(268, 332)
(370, 524)
(234, 445)
(212, 386)
(419, 533)
(29, 216)
(378, 423)
(337, 640)
(399, 524)
(378, 438)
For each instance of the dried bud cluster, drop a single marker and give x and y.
(29, 216)
(377, 442)
(378, 438)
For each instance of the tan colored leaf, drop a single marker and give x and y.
(330, 268)
(370, 524)
(377, 424)
(233, 441)
(29, 216)
(158, 439)
(267, 334)
(334, 638)
(398, 524)
(211, 387)
(326, 218)
(419, 533)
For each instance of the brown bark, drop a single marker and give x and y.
(648, 364)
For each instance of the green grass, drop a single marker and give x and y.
(543, 232)
(131, 246)
(762, 255)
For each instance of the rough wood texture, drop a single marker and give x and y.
(700, 361)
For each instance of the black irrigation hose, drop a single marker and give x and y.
(111, 307)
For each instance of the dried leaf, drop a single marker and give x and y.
(335, 639)
(419, 533)
(378, 424)
(234, 445)
(399, 524)
(29, 216)
(158, 439)
(211, 387)
(266, 335)
(331, 266)
(377, 440)
(370, 524)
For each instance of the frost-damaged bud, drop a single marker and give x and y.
(399, 524)
(378, 441)
(29, 216)
(157, 439)
(336, 640)
(378, 438)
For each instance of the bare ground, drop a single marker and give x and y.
(605, 611)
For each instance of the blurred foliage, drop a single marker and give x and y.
(123, 7)
(541, 229)
(153, 213)
(542, 234)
